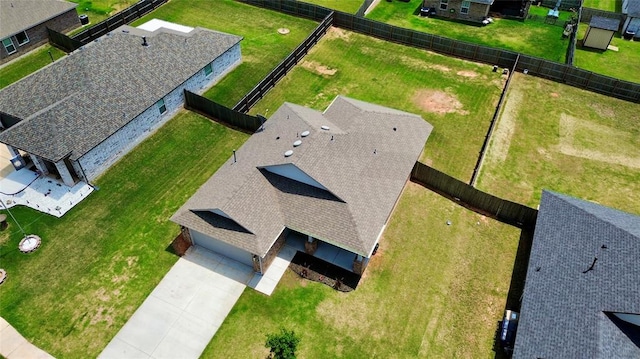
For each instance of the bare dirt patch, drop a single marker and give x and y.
(336, 33)
(554, 94)
(439, 68)
(607, 144)
(602, 110)
(318, 68)
(438, 102)
(471, 74)
(503, 133)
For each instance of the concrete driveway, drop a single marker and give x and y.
(181, 315)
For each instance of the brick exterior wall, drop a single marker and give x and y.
(38, 34)
(108, 152)
(273, 251)
(182, 242)
(477, 12)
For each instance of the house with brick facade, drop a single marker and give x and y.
(24, 23)
(76, 117)
(333, 177)
(467, 10)
(582, 290)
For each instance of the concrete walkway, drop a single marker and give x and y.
(15, 346)
(184, 311)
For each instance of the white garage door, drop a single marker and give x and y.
(220, 247)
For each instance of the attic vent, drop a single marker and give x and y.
(326, 128)
(304, 134)
(297, 143)
(288, 153)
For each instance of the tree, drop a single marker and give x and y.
(283, 345)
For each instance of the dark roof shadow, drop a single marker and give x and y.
(287, 185)
(219, 221)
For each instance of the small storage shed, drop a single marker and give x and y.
(600, 32)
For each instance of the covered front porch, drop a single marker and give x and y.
(328, 252)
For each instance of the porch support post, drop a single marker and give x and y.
(39, 164)
(358, 264)
(64, 173)
(311, 245)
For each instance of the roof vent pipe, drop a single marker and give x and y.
(144, 41)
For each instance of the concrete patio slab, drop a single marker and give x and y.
(184, 311)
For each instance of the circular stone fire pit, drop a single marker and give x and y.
(29, 243)
(3, 275)
(283, 31)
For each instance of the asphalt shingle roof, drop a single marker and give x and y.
(633, 8)
(600, 22)
(74, 104)
(360, 166)
(567, 310)
(19, 15)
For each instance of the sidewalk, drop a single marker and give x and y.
(15, 346)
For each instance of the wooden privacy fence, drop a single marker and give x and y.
(220, 113)
(535, 66)
(269, 81)
(62, 41)
(500, 209)
(124, 17)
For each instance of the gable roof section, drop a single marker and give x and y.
(74, 104)
(19, 15)
(632, 8)
(567, 308)
(604, 23)
(339, 185)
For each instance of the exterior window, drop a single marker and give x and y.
(161, 106)
(22, 38)
(208, 70)
(464, 9)
(444, 4)
(9, 46)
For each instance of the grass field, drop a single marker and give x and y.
(457, 97)
(532, 37)
(557, 137)
(623, 64)
(607, 5)
(27, 64)
(262, 48)
(348, 6)
(99, 262)
(432, 291)
(98, 10)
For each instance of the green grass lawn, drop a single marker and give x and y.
(623, 64)
(98, 263)
(262, 48)
(431, 291)
(98, 10)
(532, 37)
(27, 64)
(457, 97)
(607, 5)
(348, 6)
(552, 136)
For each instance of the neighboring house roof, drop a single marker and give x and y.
(567, 310)
(632, 8)
(74, 104)
(19, 15)
(339, 185)
(604, 23)
(486, 2)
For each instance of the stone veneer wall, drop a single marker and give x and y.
(101, 157)
(38, 34)
(273, 251)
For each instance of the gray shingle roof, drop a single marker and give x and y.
(567, 313)
(19, 15)
(600, 22)
(633, 8)
(77, 102)
(360, 186)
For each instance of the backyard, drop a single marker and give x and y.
(98, 10)
(552, 136)
(531, 37)
(622, 64)
(457, 97)
(31, 62)
(607, 5)
(348, 6)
